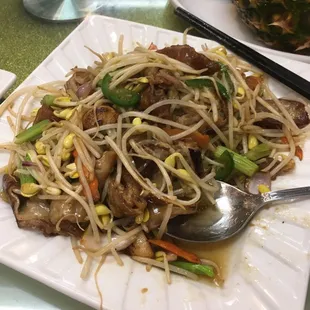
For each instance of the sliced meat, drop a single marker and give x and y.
(104, 115)
(189, 56)
(191, 151)
(295, 108)
(125, 199)
(59, 208)
(104, 166)
(147, 168)
(158, 149)
(46, 112)
(33, 213)
(152, 95)
(161, 77)
(290, 166)
(188, 119)
(158, 210)
(141, 247)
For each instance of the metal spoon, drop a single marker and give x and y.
(231, 213)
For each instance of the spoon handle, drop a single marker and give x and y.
(287, 194)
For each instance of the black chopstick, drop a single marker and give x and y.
(287, 77)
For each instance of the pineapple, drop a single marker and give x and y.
(281, 24)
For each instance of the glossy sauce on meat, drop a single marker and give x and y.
(296, 109)
(33, 213)
(104, 166)
(45, 112)
(189, 56)
(124, 199)
(150, 96)
(104, 115)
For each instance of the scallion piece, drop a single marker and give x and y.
(203, 270)
(48, 100)
(242, 164)
(222, 173)
(258, 152)
(32, 132)
(27, 178)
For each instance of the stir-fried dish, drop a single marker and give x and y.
(125, 145)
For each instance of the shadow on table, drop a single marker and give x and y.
(19, 291)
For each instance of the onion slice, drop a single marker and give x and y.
(259, 178)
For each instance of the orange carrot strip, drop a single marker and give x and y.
(191, 257)
(93, 185)
(298, 152)
(152, 47)
(284, 140)
(91, 180)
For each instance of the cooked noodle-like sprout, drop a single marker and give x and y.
(155, 146)
(76, 251)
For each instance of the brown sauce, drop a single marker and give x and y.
(219, 252)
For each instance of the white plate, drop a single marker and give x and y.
(223, 15)
(269, 268)
(6, 80)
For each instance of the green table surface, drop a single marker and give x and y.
(24, 43)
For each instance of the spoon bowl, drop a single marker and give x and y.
(231, 213)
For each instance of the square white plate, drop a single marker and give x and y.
(6, 80)
(270, 265)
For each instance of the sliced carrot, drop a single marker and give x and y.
(299, 153)
(199, 138)
(191, 257)
(93, 185)
(284, 140)
(90, 178)
(152, 47)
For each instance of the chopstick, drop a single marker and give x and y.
(283, 75)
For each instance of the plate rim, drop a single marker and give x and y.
(296, 57)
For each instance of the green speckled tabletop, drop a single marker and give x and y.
(26, 41)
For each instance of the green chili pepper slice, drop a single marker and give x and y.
(32, 132)
(222, 173)
(120, 96)
(203, 270)
(200, 83)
